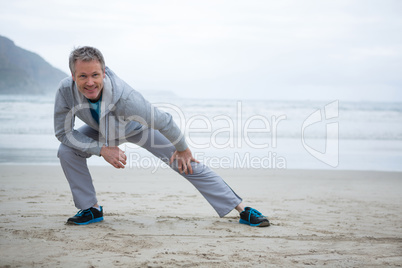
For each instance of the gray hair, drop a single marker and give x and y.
(85, 54)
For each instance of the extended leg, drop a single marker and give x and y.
(221, 197)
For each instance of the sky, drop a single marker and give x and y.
(347, 50)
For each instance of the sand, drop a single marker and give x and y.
(333, 218)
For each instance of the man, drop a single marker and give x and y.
(115, 113)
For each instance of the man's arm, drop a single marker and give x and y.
(64, 128)
(66, 134)
(162, 121)
(137, 108)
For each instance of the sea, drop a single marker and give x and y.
(251, 134)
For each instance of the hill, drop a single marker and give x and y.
(24, 72)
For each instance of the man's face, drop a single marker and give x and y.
(89, 78)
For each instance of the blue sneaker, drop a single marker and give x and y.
(87, 216)
(253, 217)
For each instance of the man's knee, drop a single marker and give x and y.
(66, 152)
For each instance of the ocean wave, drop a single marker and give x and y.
(356, 120)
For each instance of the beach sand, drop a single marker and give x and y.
(157, 219)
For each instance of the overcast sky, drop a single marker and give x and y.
(295, 49)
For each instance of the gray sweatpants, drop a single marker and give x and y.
(221, 197)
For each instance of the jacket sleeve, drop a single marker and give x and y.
(64, 127)
(137, 108)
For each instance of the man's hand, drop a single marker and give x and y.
(114, 156)
(184, 160)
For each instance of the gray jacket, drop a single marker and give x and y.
(124, 113)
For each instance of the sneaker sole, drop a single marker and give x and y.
(261, 224)
(85, 223)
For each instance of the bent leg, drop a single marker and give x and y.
(214, 189)
(75, 168)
